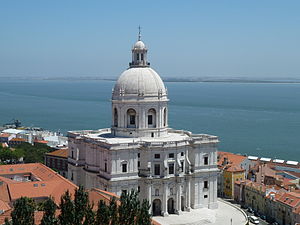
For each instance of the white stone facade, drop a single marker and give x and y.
(174, 169)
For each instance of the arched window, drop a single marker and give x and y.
(131, 118)
(137, 56)
(165, 117)
(115, 117)
(151, 118)
(142, 56)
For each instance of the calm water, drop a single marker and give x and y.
(257, 119)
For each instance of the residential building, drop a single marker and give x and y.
(288, 208)
(230, 176)
(58, 161)
(232, 167)
(6, 137)
(16, 141)
(33, 180)
(38, 182)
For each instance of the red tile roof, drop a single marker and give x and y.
(228, 159)
(5, 135)
(63, 153)
(291, 199)
(47, 182)
(4, 206)
(235, 169)
(18, 139)
(41, 141)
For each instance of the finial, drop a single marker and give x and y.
(139, 33)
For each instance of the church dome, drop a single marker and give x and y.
(139, 45)
(139, 81)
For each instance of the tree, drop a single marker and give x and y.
(66, 216)
(113, 211)
(128, 208)
(7, 221)
(89, 216)
(23, 213)
(6, 154)
(102, 217)
(144, 217)
(81, 204)
(49, 208)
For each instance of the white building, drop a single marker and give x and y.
(174, 169)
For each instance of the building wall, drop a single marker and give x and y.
(182, 189)
(57, 163)
(255, 199)
(229, 179)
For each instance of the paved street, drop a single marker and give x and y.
(261, 222)
(224, 215)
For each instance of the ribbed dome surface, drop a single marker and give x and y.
(139, 45)
(140, 81)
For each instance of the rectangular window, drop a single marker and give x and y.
(181, 162)
(139, 155)
(182, 153)
(205, 196)
(139, 164)
(105, 167)
(171, 155)
(142, 56)
(150, 120)
(138, 56)
(157, 170)
(124, 168)
(205, 184)
(132, 119)
(206, 160)
(171, 168)
(157, 156)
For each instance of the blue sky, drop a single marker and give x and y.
(185, 38)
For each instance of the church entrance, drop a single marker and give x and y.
(171, 209)
(156, 207)
(182, 203)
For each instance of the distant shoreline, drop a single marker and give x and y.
(174, 80)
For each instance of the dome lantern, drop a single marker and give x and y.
(139, 53)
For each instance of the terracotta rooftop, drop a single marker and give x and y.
(235, 168)
(41, 141)
(232, 159)
(18, 139)
(291, 199)
(95, 195)
(4, 206)
(63, 153)
(44, 182)
(5, 135)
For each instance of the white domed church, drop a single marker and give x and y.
(174, 169)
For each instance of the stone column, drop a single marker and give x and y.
(188, 194)
(179, 199)
(165, 200)
(149, 194)
(215, 191)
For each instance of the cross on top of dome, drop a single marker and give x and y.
(139, 33)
